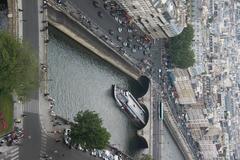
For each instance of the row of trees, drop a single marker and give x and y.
(18, 67)
(180, 48)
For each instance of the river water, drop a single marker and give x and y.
(79, 80)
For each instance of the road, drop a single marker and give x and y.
(31, 123)
(60, 151)
(109, 22)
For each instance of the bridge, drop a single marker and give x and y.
(66, 19)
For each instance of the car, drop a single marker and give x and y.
(100, 14)
(80, 147)
(67, 140)
(104, 37)
(120, 21)
(110, 31)
(121, 50)
(125, 44)
(120, 29)
(129, 39)
(129, 45)
(140, 47)
(106, 6)
(94, 152)
(24, 115)
(116, 18)
(53, 114)
(17, 120)
(134, 50)
(67, 131)
(129, 30)
(59, 1)
(119, 38)
(96, 4)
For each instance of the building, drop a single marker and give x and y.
(157, 18)
(183, 86)
(208, 150)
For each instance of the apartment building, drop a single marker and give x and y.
(157, 18)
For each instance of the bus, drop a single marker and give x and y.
(160, 111)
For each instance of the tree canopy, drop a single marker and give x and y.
(180, 48)
(87, 131)
(18, 67)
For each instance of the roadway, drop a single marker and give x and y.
(31, 123)
(108, 22)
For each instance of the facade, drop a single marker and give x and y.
(183, 87)
(208, 150)
(157, 18)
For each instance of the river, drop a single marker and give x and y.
(79, 80)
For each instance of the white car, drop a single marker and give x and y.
(94, 152)
(53, 113)
(120, 29)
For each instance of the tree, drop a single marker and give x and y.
(180, 48)
(146, 157)
(87, 131)
(18, 67)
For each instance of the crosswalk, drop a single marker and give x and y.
(31, 106)
(43, 149)
(12, 154)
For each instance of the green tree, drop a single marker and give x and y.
(87, 131)
(180, 48)
(18, 67)
(146, 157)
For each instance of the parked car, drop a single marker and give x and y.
(125, 44)
(111, 32)
(100, 14)
(119, 38)
(17, 120)
(94, 152)
(67, 131)
(120, 29)
(96, 4)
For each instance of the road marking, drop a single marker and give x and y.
(14, 150)
(14, 154)
(14, 158)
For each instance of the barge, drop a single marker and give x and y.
(130, 106)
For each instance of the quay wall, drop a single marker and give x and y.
(180, 140)
(79, 33)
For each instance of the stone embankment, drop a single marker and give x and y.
(75, 30)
